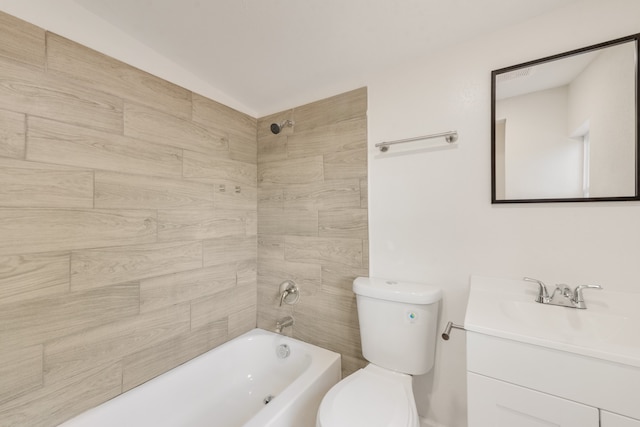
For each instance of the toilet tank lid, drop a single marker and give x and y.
(396, 290)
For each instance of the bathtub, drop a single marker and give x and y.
(245, 382)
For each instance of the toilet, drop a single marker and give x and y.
(398, 332)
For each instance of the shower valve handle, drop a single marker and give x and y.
(288, 287)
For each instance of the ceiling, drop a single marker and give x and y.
(271, 55)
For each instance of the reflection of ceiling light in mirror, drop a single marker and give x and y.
(521, 72)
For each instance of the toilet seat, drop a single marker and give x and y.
(370, 397)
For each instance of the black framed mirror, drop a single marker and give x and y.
(565, 128)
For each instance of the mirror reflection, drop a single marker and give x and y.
(565, 128)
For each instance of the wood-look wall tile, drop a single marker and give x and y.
(20, 370)
(155, 360)
(345, 164)
(243, 149)
(208, 310)
(242, 321)
(39, 185)
(162, 128)
(322, 250)
(338, 108)
(55, 403)
(364, 193)
(240, 127)
(91, 121)
(198, 166)
(12, 134)
(218, 116)
(21, 41)
(270, 247)
(288, 221)
(329, 138)
(271, 273)
(99, 71)
(272, 147)
(348, 223)
(247, 273)
(31, 276)
(94, 268)
(332, 194)
(251, 223)
(115, 190)
(52, 142)
(294, 171)
(68, 356)
(329, 320)
(188, 224)
(30, 91)
(336, 130)
(235, 195)
(36, 321)
(341, 277)
(47, 230)
(229, 249)
(159, 292)
(365, 254)
(270, 197)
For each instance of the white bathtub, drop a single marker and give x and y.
(227, 386)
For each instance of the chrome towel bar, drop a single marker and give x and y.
(447, 330)
(450, 137)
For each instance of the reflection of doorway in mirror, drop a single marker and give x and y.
(499, 158)
(586, 182)
(581, 134)
(604, 94)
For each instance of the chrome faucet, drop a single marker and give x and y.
(543, 295)
(562, 295)
(285, 322)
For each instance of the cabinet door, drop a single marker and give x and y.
(608, 419)
(494, 403)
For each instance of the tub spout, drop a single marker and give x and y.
(283, 323)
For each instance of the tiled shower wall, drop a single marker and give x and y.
(312, 220)
(128, 226)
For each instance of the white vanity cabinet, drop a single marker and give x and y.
(494, 403)
(531, 365)
(608, 419)
(510, 383)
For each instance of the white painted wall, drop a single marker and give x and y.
(541, 161)
(430, 213)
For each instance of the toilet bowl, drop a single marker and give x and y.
(398, 332)
(372, 396)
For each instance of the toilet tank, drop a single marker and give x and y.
(398, 323)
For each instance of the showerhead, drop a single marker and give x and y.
(277, 128)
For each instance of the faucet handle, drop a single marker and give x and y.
(289, 287)
(543, 295)
(578, 298)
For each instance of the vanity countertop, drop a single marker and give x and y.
(608, 329)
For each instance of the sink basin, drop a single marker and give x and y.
(608, 329)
